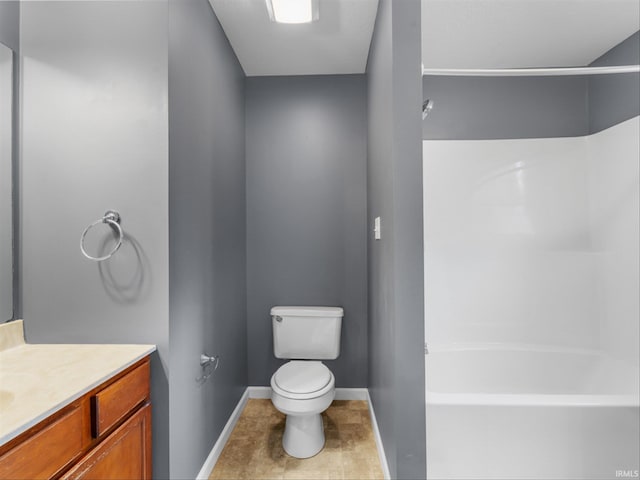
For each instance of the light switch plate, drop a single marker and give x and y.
(377, 234)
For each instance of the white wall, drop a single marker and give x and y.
(534, 241)
(6, 223)
(614, 155)
(507, 254)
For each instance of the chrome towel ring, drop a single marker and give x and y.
(112, 218)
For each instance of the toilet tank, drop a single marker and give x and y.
(306, 333)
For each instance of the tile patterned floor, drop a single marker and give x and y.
(254, 450)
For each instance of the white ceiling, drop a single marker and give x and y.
(523, 33)
(337, 43)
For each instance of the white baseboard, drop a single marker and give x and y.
(259, 392)
(265, 392)
(376, 434)
(351, 394)
(213, 456)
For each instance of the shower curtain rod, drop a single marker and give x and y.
(530, 72)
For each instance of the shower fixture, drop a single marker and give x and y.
(427, 106)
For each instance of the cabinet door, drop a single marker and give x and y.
(125, 454)
(50, 450)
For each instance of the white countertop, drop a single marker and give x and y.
(38, 380)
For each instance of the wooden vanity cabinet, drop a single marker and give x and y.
(105, 434)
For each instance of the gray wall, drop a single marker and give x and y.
(10, 36)
(475, 108)
(395, 281)
(207, 256)
(6, 190)
(380, 254)
(306, 211)
(94, 137)
(615, 98)
(10, 24)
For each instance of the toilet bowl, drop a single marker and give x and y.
(302, 390)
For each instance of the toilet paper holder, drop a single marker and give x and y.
(209, 365)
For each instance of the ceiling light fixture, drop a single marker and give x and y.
(292, 11)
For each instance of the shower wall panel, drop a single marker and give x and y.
(507, 243)
(534, 241)
(532, 316)
(613, 158)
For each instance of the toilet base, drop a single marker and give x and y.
(303, 435)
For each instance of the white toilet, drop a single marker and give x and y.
(304, 387)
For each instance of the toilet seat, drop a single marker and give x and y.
(302, 380)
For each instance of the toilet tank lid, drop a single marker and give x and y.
(308, 311)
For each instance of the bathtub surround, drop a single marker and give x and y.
(553, 222)
(612, 179)
(473, 236)
(475, 229)
(306, 211)
(394, 191)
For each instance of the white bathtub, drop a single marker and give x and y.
(530, 413)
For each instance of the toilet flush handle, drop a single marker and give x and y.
(277, 318)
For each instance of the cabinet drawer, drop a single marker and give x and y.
(46, 452)
(112, 404)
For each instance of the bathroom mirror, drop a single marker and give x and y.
(6, 174)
